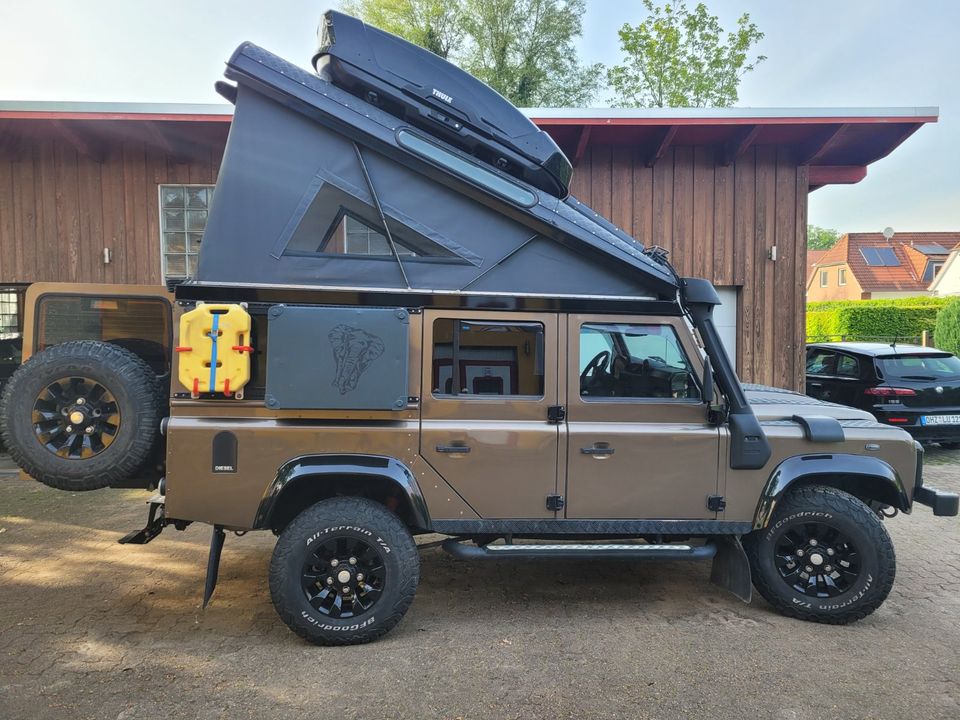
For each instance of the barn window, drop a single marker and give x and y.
(9, 312)
(183, 218)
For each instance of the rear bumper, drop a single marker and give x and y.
(923, 433)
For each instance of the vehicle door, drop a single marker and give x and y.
(848, 384)
(639, 443)
(489, 379)
(821, 373)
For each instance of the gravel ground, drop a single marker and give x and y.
(92, 629)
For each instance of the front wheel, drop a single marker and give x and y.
(344, 572)
(825, 557)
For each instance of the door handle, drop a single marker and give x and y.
(597, 450)
(450, 449)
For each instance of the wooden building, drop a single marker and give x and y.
(117, 193)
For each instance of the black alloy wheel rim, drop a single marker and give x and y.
(343, 577)
(817, 560)
(76, 418)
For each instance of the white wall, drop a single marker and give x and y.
(725, 318)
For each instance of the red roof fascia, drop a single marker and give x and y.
(172, 117)
(660, 121)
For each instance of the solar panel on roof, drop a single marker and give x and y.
(879, 256)
(932, 249)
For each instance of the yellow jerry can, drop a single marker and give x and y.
(215, 350)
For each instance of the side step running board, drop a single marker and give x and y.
(585, 550)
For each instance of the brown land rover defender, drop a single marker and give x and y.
(403, 324)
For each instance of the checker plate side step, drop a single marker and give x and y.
(626, 551)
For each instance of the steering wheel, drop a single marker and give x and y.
(599, 362)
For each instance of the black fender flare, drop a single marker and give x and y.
(315, 468)
(855, 469)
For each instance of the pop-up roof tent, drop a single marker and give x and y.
(320, 187)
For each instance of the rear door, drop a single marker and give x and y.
(639, 444)
(488, 381)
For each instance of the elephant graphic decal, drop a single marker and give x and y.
(354, 350)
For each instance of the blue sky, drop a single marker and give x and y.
(870, 53)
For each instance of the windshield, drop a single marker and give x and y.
(919, 367)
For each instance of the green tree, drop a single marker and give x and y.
(678, 57)
(523, 49)
(946, 336)
(819, 238)
(433, 24)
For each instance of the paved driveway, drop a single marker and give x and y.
(92, 629)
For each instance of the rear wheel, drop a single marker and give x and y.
(81, 415)
(825, 557)
(344, 572)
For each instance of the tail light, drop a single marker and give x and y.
(889, 392)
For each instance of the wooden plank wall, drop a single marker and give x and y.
(60, 208)
(720, 222)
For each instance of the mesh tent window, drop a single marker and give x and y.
(338, 223)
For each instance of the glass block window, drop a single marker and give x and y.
(183, 218)
(9, 312)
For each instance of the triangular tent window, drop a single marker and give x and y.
(338, 223)
(352, 236)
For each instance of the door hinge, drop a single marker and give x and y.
(555, 503)
(556, 414)
(716, 503)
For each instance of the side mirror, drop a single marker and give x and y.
(707, 381)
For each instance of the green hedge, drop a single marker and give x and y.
(948, 327)
(901, 318)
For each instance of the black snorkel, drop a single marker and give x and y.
(749, 448)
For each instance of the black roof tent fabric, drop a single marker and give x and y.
(303, 153)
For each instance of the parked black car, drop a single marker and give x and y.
(913, 387)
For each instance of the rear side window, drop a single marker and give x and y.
(487, 358)
(141, 325)
(848, 367)
(919, 367)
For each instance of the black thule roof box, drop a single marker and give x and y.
(427, 91)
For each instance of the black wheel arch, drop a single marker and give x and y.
(308, 479)
(864, 477)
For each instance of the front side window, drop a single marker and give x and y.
(822, 362)
(183, 218)
(623, 360)
(824, 278)
(842, 276)
(474, 359)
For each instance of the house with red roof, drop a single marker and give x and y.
(865, 266)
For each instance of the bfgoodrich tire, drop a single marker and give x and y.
(81, 415)
(824, 557)
(344, 572)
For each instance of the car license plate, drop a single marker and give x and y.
(940, 419)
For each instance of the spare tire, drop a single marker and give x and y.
(81, 415)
